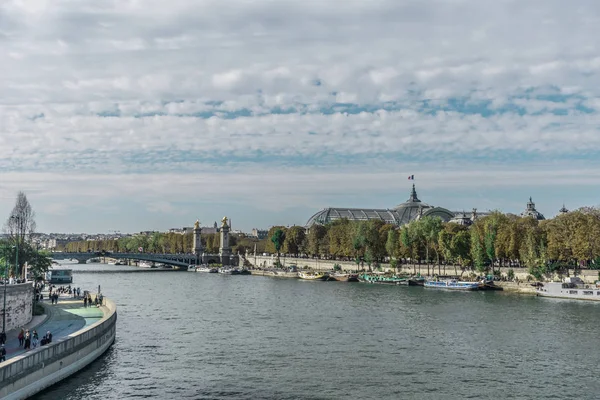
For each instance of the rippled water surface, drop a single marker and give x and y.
(184, 335)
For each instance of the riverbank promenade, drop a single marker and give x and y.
(62, 319)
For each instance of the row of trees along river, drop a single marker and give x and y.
(492, 242)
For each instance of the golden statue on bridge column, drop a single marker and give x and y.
(224, 221)
(197, 224)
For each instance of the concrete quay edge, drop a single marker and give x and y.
(28, 373)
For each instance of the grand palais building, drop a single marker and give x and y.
(412, 209)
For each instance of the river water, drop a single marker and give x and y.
(185, 335)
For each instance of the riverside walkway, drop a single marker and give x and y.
(62, 319)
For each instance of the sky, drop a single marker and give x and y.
(130, 115)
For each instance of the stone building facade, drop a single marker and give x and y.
(19, 304)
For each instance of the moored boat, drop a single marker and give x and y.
(230, 271)
(313, 276)
(203, 268)
(451, 284)
(192, 268)
(382, 279)
(144, 264)
(488, 284)
(416, 281)
(341, 277)
(571, 288)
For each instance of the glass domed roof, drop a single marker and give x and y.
(404, 213)
(412, 208)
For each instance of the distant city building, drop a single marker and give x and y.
(259, 233)
(210, 229)
(462, 218)
(53, 244)
(410, 210)
(142, 233)
(182, 231)
(530, 211)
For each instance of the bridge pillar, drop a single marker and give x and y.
(197, 249)
(225, 249)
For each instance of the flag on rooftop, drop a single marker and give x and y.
(411, 177)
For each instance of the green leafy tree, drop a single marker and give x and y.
(278, 239)
(431, 228)
(359, 242)
(408, 241)
(294, 240)
(477, 248)
(391, 246)
(39, 263)
(461, 247)
(315, 239)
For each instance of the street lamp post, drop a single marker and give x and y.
(4, 306)
(18, 219)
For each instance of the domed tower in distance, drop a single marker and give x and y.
(532, 212)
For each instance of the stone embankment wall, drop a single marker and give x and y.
(19, 304)
(589, 276)
(26, 375)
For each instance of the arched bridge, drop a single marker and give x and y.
(179, 260)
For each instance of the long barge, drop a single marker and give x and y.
(452, 284)
(571, 288)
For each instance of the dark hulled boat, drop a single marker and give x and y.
(416, 281)
(341, 277)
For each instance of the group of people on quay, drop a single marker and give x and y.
(54, 292)
(87, 300)
(28, 339)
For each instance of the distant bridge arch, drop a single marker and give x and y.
(178, 260)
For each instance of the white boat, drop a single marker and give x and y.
(451, 284)
(192, 268)
(60, 276)
(570, 288)
(144, 264)
(229, 271)
(206, 268)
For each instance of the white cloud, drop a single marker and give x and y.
(122, 87)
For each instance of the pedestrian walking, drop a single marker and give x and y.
(2, 353)
(2, 337)
(21, 337)
(85, 302)
(27, 345)
(34, 340)
(49, 337)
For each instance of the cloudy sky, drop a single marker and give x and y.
(137, 115)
